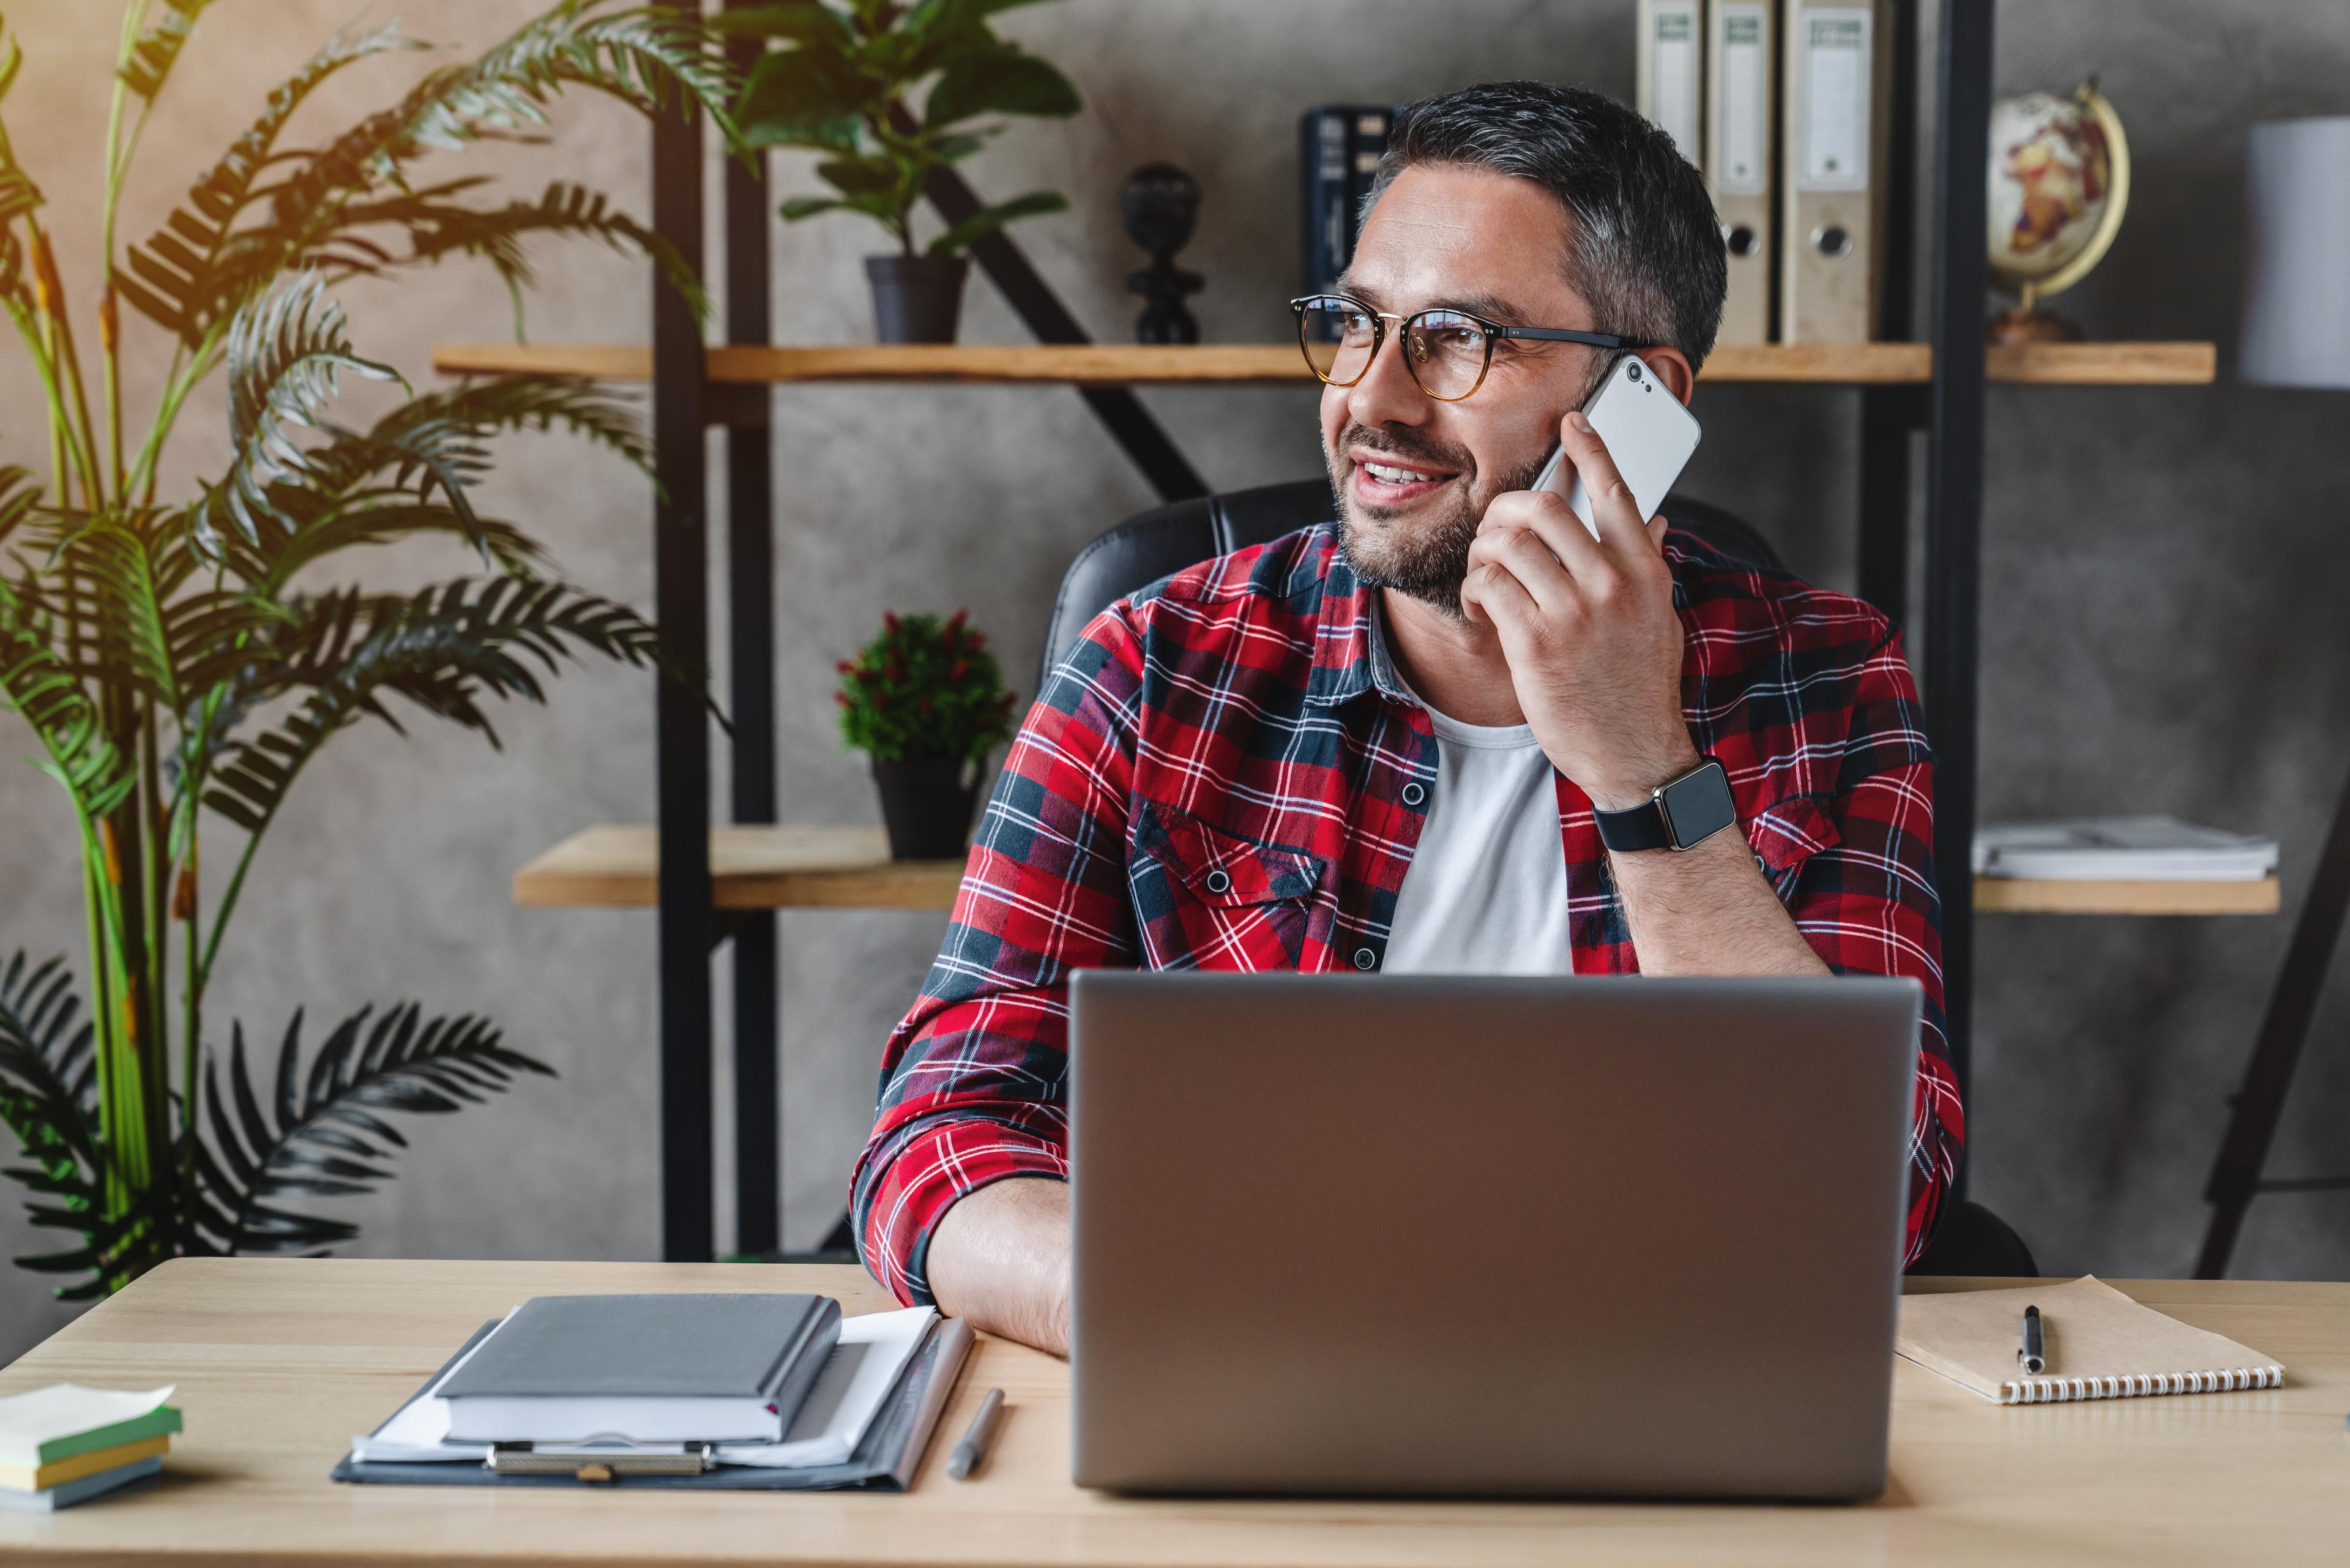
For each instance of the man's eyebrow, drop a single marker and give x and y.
(1492, 308)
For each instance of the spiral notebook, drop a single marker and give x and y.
(2099, 1344)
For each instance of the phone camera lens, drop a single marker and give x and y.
(1632, 371)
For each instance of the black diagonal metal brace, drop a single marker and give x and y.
(1161, 462)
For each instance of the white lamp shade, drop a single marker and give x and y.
(2297, 292)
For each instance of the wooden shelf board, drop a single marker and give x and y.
(1116, 364)
(785, 868)
(2025, 896)
(795, 868)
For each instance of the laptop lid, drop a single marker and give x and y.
(1454, 1235)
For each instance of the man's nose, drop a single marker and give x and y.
(1387, 395)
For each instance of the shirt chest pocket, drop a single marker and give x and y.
(1786, 836)
(1206, 899)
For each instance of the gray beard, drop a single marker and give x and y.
(1426, 559)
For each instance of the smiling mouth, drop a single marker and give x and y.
(1381, 480)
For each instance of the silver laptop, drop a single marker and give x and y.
(1401, 1235)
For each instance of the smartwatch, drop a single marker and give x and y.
(1680, 814)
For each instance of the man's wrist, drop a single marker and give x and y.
(1636, 787)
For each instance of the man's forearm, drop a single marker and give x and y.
(1708, 910)
(999, 1259)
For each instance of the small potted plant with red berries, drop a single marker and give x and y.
(926, 701)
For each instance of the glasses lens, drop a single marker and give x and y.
(1338, 336)
(1445, 351)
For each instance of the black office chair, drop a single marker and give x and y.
(1165, 539)
(1968, 1238)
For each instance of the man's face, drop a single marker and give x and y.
(1414, 474)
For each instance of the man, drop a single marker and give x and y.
(1391, 742)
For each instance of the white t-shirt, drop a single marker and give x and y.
(1486, 890)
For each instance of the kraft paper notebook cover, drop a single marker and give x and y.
(2100, 1344)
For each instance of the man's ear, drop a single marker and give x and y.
(1672, 367)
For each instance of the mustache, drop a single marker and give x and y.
(1408, 443)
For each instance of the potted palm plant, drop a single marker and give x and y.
(178, 671)
(925, 700)
(843, 83)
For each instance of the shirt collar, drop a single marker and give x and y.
(1350, 648)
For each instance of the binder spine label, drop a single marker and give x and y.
(1742, 78)
(1838, 47)
(1676, 97)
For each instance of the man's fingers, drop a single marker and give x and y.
(1614, 509)
(1523, 553)
(1553, 520)
(1490, 593)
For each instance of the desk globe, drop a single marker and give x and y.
(2059, 183)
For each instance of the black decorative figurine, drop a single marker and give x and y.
(1160, 205)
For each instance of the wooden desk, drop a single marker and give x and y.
(279, 1362)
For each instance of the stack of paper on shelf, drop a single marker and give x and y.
(64, 1444)
(2121, 849)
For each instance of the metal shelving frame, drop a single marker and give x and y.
(1949, 413)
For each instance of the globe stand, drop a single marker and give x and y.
(2028, 322)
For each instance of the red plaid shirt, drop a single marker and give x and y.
(1241, 717)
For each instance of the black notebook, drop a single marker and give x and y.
(726, 1367)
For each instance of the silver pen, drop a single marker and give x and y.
(973, 1448)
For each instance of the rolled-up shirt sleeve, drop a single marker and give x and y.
(1867, 904)
(974, 1079)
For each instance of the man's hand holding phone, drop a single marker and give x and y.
(1588, 626)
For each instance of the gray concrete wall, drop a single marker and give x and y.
(2161, 622)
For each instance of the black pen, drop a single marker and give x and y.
(2033, 1351)
(973, 1447)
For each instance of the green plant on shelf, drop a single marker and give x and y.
(924, 689)
(177, 667)
(843, 85)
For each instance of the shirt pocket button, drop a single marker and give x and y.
(1219, 883)
(1365, 958)
(1413, 793)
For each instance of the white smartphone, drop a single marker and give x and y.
(1645, 429)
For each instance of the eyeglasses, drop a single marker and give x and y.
(1447, 351)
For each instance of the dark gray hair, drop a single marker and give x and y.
(1647, 248)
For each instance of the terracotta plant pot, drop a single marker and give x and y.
(916, 300)
(927, 804)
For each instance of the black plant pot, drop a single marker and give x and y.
(926, 802)
(916, 300)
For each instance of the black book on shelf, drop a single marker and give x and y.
(1325, 170)
(1338, 150)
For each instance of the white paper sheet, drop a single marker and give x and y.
(848, 1394)
(65, 1410)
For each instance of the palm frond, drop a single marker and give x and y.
(49, 1075)
(120, 583)
(44, 689)
(321, 1132)
(645, 56)
(440, 229)
(157, 50)
(303, 526)
(20, 494)
(176, 279)
(48, 1098)
(445, 650)
(287, 353)
(434, 444)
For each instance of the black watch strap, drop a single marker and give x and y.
(1681, 814)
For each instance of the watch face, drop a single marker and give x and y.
(1697, 806)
